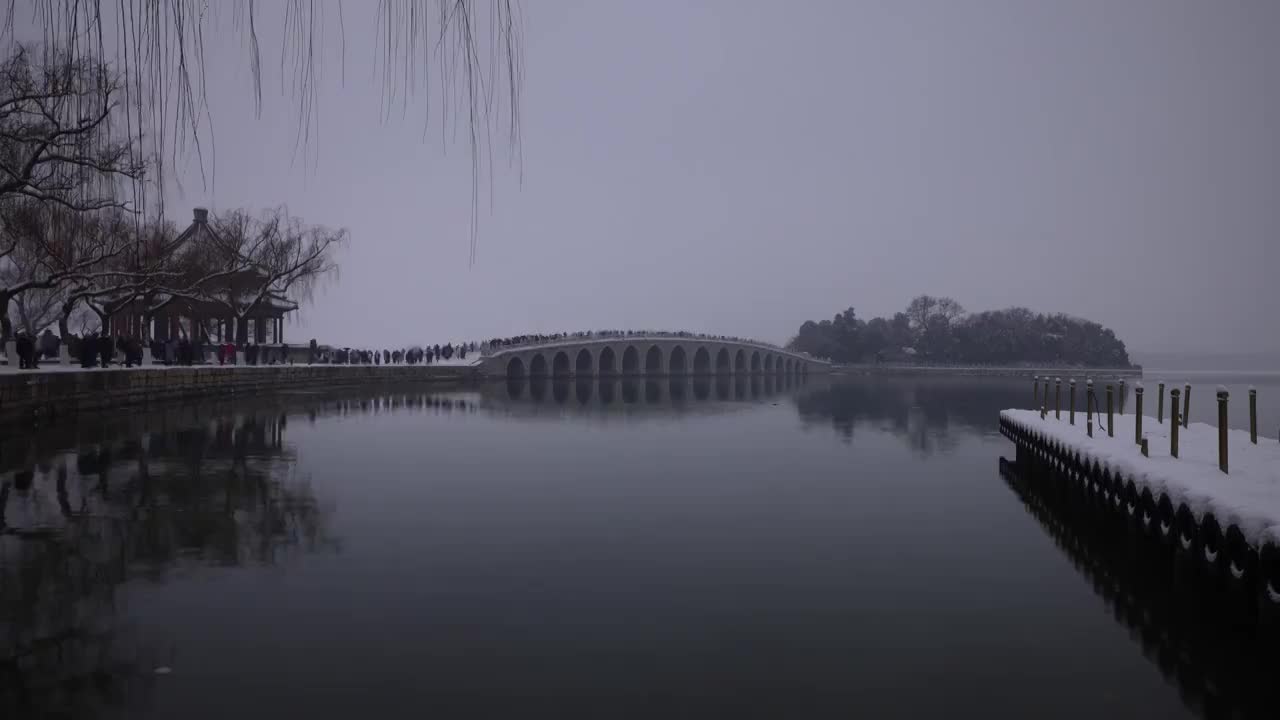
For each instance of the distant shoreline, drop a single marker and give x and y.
(983, 370)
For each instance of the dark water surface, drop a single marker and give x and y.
(843, 547)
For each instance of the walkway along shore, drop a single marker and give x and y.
(62, 392)
(1211, 493)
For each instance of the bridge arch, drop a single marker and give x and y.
(607, 362)
(701, 362)
(740, 360)
(515, 368)
(755, 361)
(653, 360)
(787, 367)
(630, 361)
(768, 362)
(677, 362)
(723, 364)
(560, 365)
(583, 364)
(538, 366)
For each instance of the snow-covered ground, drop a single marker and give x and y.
(1248, 496)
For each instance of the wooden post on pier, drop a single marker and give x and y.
(1137, 415)
(1035, 391)
(1223, 396)
(1160, 405)
(1173, 422)
(1057, 398)
(1072, 383)
(1186, 404)
(1111, 421)
(1253, 415)
(1088, 404)
(1121, 396)
(1145, 450)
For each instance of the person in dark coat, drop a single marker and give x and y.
(106, 350)
(24, 347)
(47, 345)
(89, 351)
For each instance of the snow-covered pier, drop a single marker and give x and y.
(1229, 521)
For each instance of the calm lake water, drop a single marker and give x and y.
(842, 547)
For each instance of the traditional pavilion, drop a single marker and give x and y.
(203, 320)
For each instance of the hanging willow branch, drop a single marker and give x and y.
(467, 61)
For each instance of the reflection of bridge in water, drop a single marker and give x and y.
(670, 391)
(1201, 630)
(647, 356)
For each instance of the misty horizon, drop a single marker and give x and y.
(725, 170)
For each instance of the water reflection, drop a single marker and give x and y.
(1201, 634)
(87, 508)
(930, 414)
(658, 395)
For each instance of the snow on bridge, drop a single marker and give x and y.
(646, 355)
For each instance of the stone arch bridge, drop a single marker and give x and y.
(646, 356)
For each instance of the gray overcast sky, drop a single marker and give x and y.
(739, 167)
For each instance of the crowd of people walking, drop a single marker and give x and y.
(95, 350)
(406, 356)
(520, 341)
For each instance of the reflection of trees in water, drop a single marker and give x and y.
(1201, 632)
(922, 411)
(75, 524)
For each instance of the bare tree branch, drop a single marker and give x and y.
(158, 46)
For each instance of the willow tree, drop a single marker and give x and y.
(464, 56)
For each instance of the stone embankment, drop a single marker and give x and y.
(40, 395)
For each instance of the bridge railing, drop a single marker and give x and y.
(486, 350)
